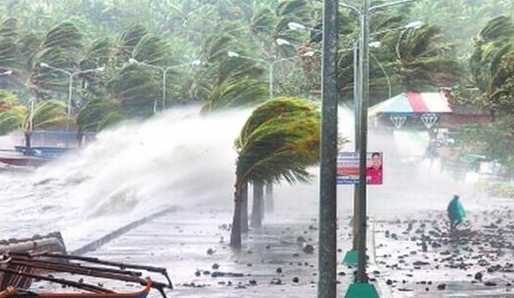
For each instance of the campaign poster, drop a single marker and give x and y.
(348, 168)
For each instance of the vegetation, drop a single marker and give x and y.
(112, 55)
(44, 114)
(131, 39)
(278, 141)
(492, 68)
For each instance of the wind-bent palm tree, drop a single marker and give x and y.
(97, 115)
(234, 93)
(424, 59)
(279, 141)
(45, 114)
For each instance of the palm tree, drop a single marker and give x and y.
(62, 48)
(278, 141)
(234, 93)
(424, 59)
(44, 114)
(96, 115)
(9, 53)
(491, 45)
(137, 87)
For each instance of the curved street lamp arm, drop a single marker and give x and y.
(253, 59)
(151, 65)
(384, 72)
(44, 65)
(86, 71)
(355, 9)
(285, 59)
(390, 4)
(180, 65)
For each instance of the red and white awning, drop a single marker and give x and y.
(412, 103)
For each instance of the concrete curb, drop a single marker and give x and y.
(94, 245)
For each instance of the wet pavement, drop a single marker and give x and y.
(419, 258)
(275, 262)
(411, 255)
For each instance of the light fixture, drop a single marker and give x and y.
(282, 42)
(375, 44)
(415, 25)
(296, 26)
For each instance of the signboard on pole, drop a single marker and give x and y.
(348, 168)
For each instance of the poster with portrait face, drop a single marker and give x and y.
(348, 168)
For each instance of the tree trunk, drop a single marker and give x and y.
(270, 203)
(28, 146)
(244, 211)
(235, 234)
(80, 137)
(258, 200)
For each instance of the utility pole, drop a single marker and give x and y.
(363, 141)
(327, 286)
(356, 102)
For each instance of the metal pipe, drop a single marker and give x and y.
(355, 9)
(363, 109)
(271, 67)
(74, 265)
(328, 166)
(356, 99)
(384, 72)
(82, 271)
(95, 261)
(370, 9)
(83, 286)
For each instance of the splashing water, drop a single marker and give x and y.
(180, 158)
(175, 158)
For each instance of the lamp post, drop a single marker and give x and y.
(361, 283)
(70, 76)
(327, 287)
(375, 44)
(164, 71)
(270, 64)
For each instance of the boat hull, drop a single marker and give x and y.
(22, 160)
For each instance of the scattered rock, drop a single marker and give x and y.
(226, 274)
(308, 248)
(276, 281)
(478, 276)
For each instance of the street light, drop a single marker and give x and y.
(363, 86)
(270, 64)
(297, 26)
(71, 75)
(355, 48)
(164, 71)
(6, 73)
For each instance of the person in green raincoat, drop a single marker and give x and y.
(456, 212)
